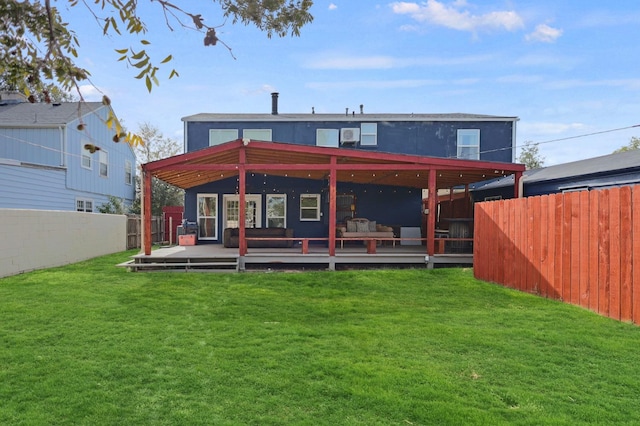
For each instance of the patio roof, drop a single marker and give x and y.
(293, 160)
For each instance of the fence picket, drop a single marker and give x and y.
(634, 259)
(626, 230)
(582, 247)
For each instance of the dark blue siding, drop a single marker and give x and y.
(372, 201)
(428, 138)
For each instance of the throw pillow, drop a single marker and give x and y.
(372, 226)
(351, 226)
(362, 227)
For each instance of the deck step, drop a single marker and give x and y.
(135, 266)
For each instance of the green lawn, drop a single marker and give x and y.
(94, 344)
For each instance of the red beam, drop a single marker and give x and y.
(242, 190)
(431, 218)
(333, 177)
(146, 211)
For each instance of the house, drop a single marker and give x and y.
(310, 172)
(462, 136)
(593, 173)
(61, 156)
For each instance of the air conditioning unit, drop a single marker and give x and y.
(349, 135)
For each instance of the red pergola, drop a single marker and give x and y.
(239, 157)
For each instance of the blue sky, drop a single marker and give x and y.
(566, 69)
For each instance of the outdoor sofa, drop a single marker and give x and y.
(232, 239)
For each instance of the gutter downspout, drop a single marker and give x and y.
(63, 146)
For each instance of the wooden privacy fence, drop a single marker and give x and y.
(581, 247)
(134, 231)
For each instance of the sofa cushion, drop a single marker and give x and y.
(372, 226)
(351, 226)
(362, 226)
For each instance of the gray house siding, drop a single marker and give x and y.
(43, 146)
(594, 173)
(38, 188)
(41, 151)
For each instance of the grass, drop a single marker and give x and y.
(92, 344)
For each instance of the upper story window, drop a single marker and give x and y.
(369, 134)
(85, 161)
(469, 144)
(257, 134)
(327, 137)
(219, 136)
(103, 159)
(128, 172)
(309, 207)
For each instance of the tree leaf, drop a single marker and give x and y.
(148, 83)
(167, 59)
(144, 42)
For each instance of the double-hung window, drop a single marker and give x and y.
(128, 172)
(84, 205)
(257, 134)
(327, 137)
(85, 161)
(369, 134)
(220, 136)
(103, 159)
(276, 211)
(310, 207)
(468, 144)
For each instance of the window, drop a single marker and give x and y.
(85, 161)
(276, 211)
(493, 198)
(327, 137)
(257, 134)
(128, 172)
(207, 216)
(469, 144)
(219, 136)
(103, 159)
(83, 205)
(309, 207)
(369, 134)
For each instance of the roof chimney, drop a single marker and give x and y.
(274, 103)
(361, 109)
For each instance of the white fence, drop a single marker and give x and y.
(36, 239)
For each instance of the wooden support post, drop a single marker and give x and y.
(371, 246)
(516, 185)
(333, 175)
(242, 200)
(146, 212)
(431, 218)
(305, 246)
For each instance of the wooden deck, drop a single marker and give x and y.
(216, 258)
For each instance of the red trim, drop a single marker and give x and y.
(431, 217)
(146, 212)
(333, 177)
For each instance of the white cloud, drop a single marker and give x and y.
(544, 33)
(372, 84)
(457, 16)
(332, 6)
(354, 62)
(90, 93)
(549, 129)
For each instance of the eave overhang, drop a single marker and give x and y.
(300, 161)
